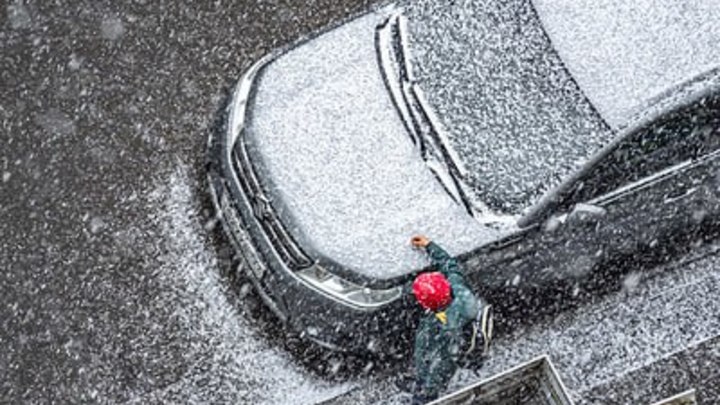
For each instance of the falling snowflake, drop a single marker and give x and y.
(112, 28)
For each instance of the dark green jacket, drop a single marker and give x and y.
(438, 346)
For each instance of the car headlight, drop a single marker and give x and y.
(347, 291)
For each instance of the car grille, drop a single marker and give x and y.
(263, 211)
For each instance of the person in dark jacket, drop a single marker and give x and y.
(450, 307)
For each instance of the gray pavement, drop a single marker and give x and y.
(111, 287)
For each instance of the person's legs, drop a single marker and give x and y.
(421, 400)
(423, 394)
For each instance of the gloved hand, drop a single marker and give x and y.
(420, 241)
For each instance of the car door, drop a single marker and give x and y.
(548, 252)
(659, 181)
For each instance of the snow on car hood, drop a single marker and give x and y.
(624, 53)
(343, 172)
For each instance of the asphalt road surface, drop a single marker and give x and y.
(113, 286)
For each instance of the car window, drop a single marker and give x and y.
(681, 136)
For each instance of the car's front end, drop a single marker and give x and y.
(312, 301)
(319, 187)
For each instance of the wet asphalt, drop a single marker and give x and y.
(111, 273)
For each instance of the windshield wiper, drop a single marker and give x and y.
(397, 74)
(422, 124)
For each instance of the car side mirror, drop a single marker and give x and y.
(586, 214)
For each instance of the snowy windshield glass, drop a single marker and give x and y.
(514, 115)
(420, 122)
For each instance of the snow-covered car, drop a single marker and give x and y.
(533, 140)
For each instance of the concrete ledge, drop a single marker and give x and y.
(535, 381)
(691, 368)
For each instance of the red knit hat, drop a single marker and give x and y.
(432, 290)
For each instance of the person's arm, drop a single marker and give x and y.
(440, 259)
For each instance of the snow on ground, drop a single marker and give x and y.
(234, 362)
(667, 310)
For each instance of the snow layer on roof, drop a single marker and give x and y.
(324, 131)
(514, 115)
(623, 53)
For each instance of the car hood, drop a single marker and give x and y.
(345, 177)
(624, 54)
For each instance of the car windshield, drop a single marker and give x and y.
(516, 119)
(422, 125)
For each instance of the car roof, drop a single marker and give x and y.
(513, 113)
(623, 54)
